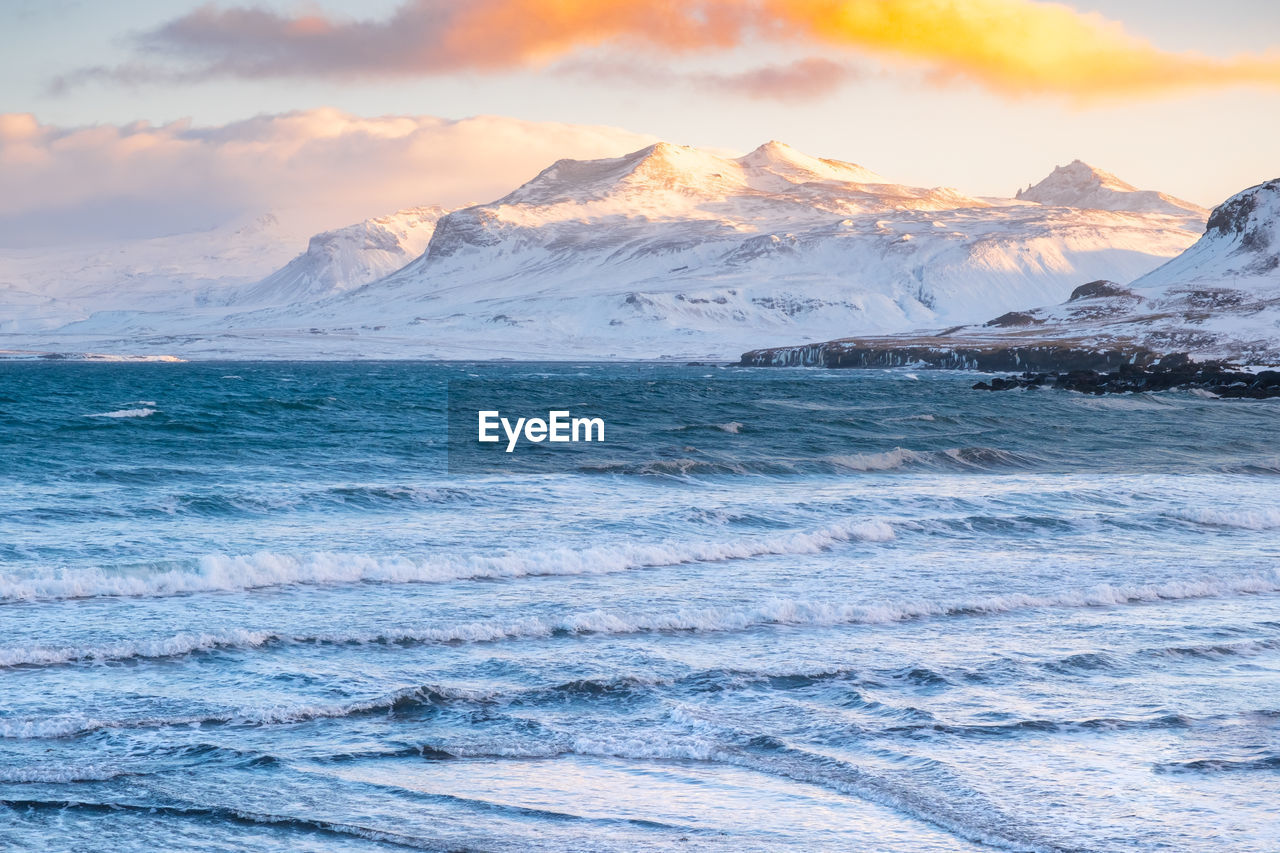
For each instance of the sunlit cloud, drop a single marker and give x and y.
(328, 167)
(1015, 47)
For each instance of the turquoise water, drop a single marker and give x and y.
(247, 607)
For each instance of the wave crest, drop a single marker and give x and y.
(726, 618)
(227, 573)
(954, 458)
(1258, 519)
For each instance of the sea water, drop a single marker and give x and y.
(250, 607)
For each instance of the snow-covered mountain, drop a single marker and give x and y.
(1218, 299)
(206, 272)
(49, 287)
(668, 251)
(1080, 185)
(344, 259)
(1240, 248)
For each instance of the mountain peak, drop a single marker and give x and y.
(664, 160)
(1080, 171)
(783, 160)
(1253, 215)
(773, 151)
(1078, 184)
(666, 167)
(661, 165)
(1076, 180)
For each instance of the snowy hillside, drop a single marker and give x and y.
(205, 273)
(1240, 248)
(1218, 299)
(668, 251)
(48, 287)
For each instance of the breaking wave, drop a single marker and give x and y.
(224, 573)
(61, 775)
(125, 413)
(956, 458)
(1259, 519)
(726, 618)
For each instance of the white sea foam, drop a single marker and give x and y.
(59, 774)
(224, 573)
(179, 644)
(889, 460)
(125, 413)
(725, 618)
(71, 725)
(1244, 519)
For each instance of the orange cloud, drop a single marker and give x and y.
(1009, 46)
(1015, 46)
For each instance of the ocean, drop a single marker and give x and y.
(261, 607)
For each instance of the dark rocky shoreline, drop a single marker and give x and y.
(1171, 372)
(945, 353)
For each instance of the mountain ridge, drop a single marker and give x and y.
(666, 251)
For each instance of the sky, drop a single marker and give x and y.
(142, 117)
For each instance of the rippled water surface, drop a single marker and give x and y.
(246, 607)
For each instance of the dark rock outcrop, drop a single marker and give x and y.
(1013, 318)
(1100, 289)
(1249, 219)
(1174, 371)
(939, 352)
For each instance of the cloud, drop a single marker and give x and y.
(1018, 47)
(328, 167)
(801, 78)
(804, 79)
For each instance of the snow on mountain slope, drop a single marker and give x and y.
(1240, 247)
(1218, 299)
(49, 287)
(26, 310)
(1080, 185)
(205, 272)
(346, 258)
(1222, 295)
(674, 251)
